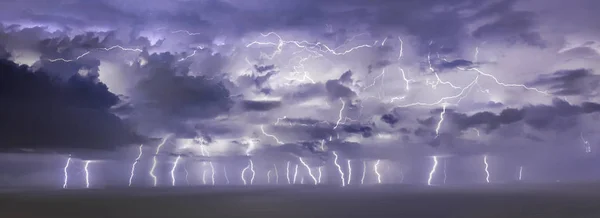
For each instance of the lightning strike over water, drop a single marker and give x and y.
(432, 172)
(295, 173)
(335, 161)
(269, 177)
(253, 172)
(364, 173)
(320, 173)
(173, 170)
(212, 171)
(376, 170)
(243, 173)
(487, 173)
(586, 144)
(308, 169)
(276, 174)
(135, 163)
(287, 172)
(225, 174)
(87, 174)
(154, 161)
(520, 173)
(349, 171)
(66, 172)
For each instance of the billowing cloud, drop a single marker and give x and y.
(274, 80)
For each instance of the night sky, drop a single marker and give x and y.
(146, 93)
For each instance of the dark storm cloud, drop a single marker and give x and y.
(577, 82)
(448, 65)
(43, 113)
(365, 131)
(261, 105)
(537, 116)
(516, 26)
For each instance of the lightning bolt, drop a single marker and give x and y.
(88, 52)
(435, 163)
(155, 179)
(520, 173)
(133, 165)
(401, 48)
(67, 61)
(66, 173)
(276, 174)
(308, 169)
(253, 172)
(87, 174)
(588, 148)
(187, 181)
(269, 135)
(225, 173)
(295, 173)
(376, 169)
(349, 172)
(205, 153)
(173, 170)
(243, 173)
(335, 161)
(269, 177)
(364, 173)
(437, 129)
(186, 32)
(287, 172)
(487, 173)
(320, 173)
(340, 116)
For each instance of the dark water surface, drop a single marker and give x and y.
(544, 201)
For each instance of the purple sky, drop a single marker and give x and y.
(275, 80)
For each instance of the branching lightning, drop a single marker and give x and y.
(588, 148)
(88, 52)
(308, 169)
(269, 135)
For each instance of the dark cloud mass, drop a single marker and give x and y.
(40, 111)
(276, 80)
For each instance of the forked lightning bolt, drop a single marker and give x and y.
(308, 169)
